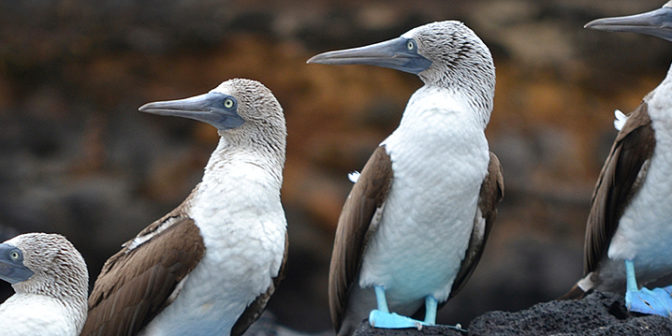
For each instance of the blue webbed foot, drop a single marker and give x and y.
(383, 318)
(380, 319)
(646, 301)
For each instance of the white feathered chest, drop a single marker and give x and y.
(238, 211)
(439, 157)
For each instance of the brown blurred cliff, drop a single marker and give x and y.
(77, 157)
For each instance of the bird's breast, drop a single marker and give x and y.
(243, 228)
(25, 314)
(428, 217)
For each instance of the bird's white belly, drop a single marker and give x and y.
(237, 267)
(427, 219)
(644, 232)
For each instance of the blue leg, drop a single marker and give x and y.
(431, 305)
(430, 310)
(380, 298)
(631, 280)
(654, 302)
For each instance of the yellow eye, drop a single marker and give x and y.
(410, 45)
(228, 103)
(14, 255)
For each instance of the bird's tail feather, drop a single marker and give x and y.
(575, 293)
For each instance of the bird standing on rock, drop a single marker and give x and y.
(628, 232)
(415, 223)
(209, 266)
(51, 283)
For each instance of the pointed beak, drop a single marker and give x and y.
(393, 54)
(12, 271)
(208, 108)
(656, 23)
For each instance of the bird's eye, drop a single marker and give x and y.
(410, 45)
(228, 103)
(14, 255)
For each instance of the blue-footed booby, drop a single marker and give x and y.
(51, 283)
(628, 231)
(209, 266)
(415, 223)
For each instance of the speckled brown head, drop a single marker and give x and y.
(41, 263)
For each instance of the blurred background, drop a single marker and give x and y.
(77, 158)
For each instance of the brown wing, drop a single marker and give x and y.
(366, 197)
(621, 176)
(254, 310)
(135, 285)
(492, 191)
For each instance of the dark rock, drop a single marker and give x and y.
(365, 329)
(597, 314)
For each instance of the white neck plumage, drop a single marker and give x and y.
(474, 85)
(70, 292)
(235, 149)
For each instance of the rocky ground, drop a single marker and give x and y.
(597, 314)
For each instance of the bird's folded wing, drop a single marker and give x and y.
(354, 225)
(491, 193)
(622, 174)
(141, 279)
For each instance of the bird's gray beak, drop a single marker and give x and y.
(12, 270)
(207, 108)
(393, 54)
(656, 22)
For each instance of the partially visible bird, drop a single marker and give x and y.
(415, 223)
(51, 283)
(628, 228)
(209, 266)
